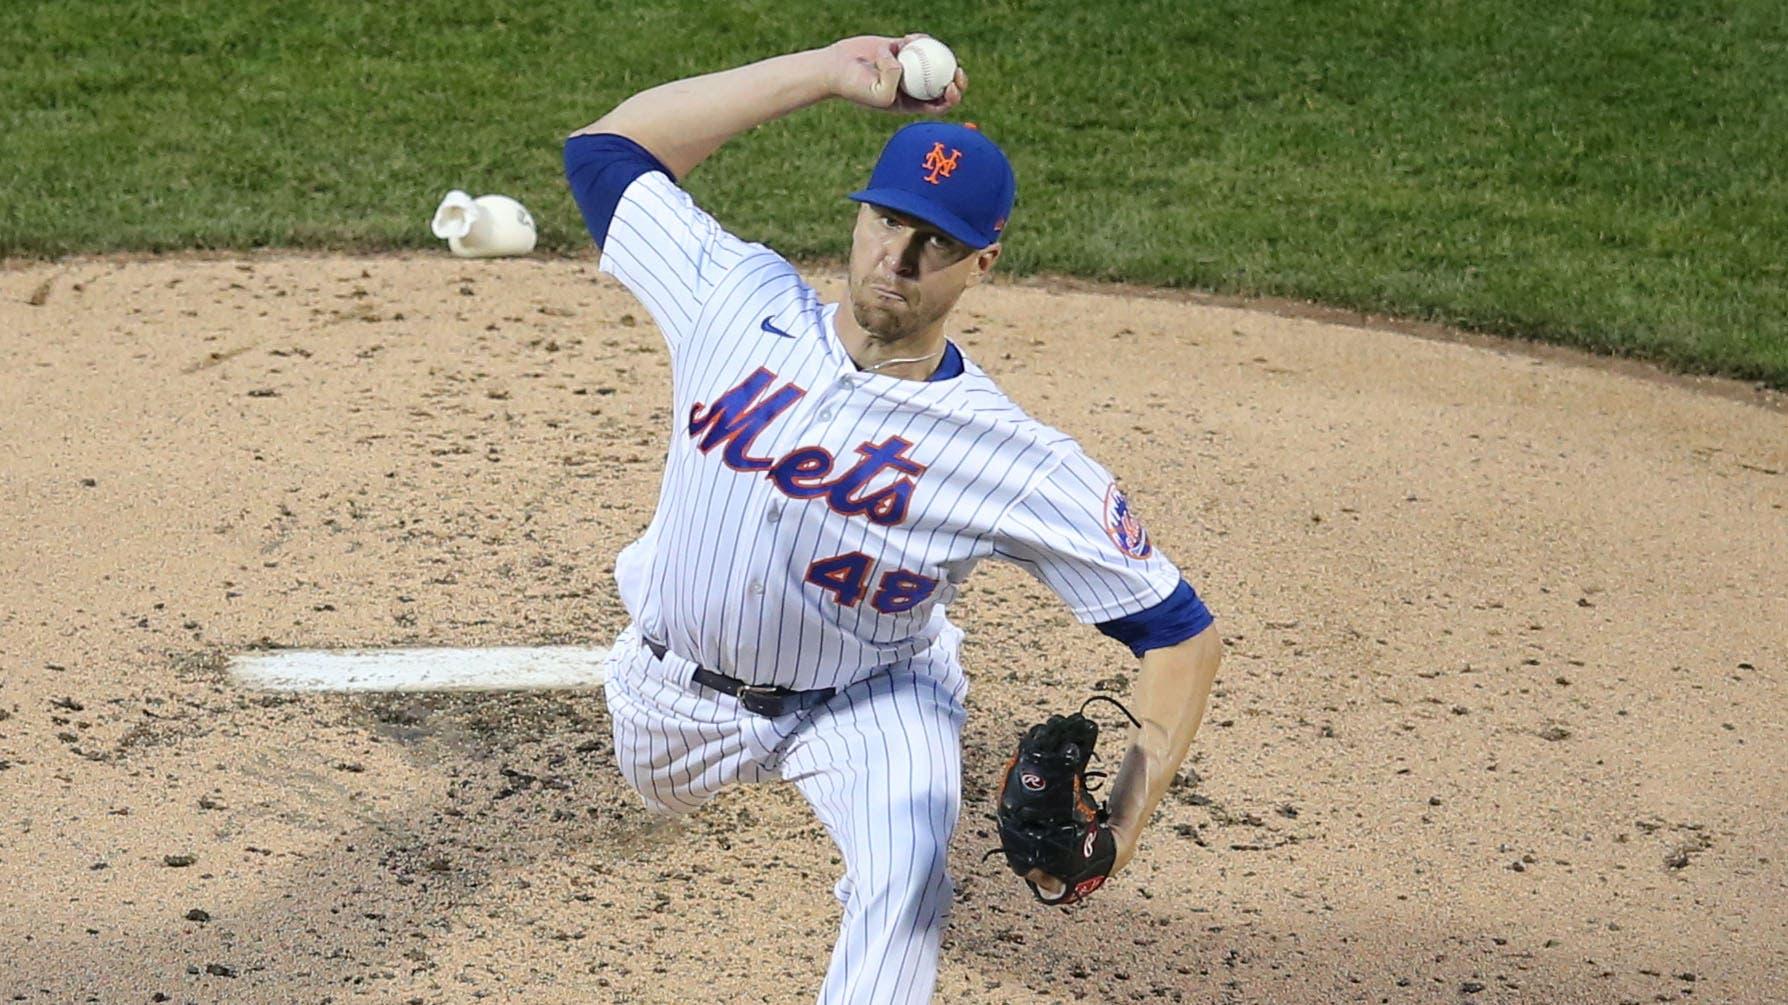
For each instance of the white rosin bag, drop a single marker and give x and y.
(489, 226)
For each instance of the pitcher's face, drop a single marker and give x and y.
(906, 274)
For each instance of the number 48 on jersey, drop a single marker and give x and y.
(847, 578)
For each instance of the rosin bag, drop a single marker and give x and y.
(490, 226)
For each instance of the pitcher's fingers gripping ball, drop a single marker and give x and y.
(926, 68)
(1049, 823)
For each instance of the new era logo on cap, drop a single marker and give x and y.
(951, 176)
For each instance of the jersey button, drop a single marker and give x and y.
(774, 515)
(824, 415)
(755, 589)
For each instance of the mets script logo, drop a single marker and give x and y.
(877, 486)
(1122, 526)
(938, 164)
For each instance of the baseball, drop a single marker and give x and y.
(926, 68)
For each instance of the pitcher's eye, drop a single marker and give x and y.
(946, 248)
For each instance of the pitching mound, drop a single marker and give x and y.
(1501, 716)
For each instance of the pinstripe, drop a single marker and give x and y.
(892, 849)
(880, 762)
(913, 868)
(643, 270)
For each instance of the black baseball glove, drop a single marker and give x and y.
(1048, 819)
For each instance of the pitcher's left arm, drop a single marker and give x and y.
(1169, 700)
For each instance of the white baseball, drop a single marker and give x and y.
(926, 68)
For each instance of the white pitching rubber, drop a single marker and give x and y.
(514, 668)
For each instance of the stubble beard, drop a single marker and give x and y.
(884, 324)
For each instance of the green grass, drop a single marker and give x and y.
(1609, 174)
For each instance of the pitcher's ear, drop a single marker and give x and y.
(984, 260)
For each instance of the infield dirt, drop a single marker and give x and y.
(1501, 718)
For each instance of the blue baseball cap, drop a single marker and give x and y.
(950, 176)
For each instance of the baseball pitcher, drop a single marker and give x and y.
(834, 473)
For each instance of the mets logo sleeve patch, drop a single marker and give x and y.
(1122, 526)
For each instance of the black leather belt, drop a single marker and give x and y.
(757, 699)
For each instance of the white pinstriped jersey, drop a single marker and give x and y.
(815, 521)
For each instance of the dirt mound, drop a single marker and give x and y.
(1500, 717)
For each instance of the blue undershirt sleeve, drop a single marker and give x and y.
(1170, 622)
(599, 167)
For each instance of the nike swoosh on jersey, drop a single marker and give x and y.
(772, 329)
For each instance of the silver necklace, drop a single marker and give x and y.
(891, 362)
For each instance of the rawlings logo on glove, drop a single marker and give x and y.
(1048, 820)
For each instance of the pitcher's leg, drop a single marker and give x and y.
(675, 743)
(881, 764)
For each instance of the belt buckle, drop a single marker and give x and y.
(760, 699)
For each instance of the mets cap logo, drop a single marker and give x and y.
(1122, 526)
(938, 164)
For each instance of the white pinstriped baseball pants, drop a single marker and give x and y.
(881, 765)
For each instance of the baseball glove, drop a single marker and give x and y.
(1048, 819)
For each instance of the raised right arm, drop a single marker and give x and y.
(684, 121)
(623, 168)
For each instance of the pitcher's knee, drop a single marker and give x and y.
(913, 868)
(934, 890)
(915, 879)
